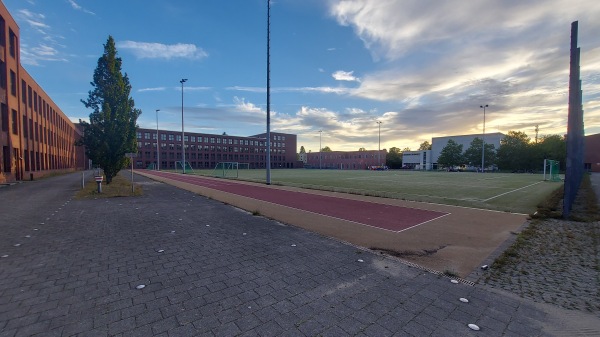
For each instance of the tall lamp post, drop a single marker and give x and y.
(157, 147)
(183, 80)
(483, 139)
(379, 152)
(268, 178)
(320, 149)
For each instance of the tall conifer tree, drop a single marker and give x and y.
(111, 132)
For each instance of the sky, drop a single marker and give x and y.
(420, 68)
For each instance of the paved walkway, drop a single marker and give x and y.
(72, 268)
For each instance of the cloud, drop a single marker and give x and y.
(163, 51)
(79, 8)
(325, 90)
(441, 62)
(35, 20)
(341, 75)
(152, 89)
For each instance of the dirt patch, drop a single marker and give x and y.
(408, 253)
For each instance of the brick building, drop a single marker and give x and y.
(36, 137)
(204, 151)
(591, 156)
(346, 160)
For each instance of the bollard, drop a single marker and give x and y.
(99, 182)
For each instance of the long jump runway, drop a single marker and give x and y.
(386, 217)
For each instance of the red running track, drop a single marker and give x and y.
(387, 217)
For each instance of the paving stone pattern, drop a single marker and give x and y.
(223, 272)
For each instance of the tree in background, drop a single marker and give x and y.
(424, 146)
(393, 159)
(472, 155)
(111, 132)
(515, 152)
(451, 155)
(326, 149)
(302, 150)
(362, 149)
(550, 147)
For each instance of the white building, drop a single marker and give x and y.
(417, 160)
(438, 143)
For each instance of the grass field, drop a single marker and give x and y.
(518, 193)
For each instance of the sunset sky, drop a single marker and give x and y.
(422, 68)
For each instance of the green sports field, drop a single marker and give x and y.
(511, 192)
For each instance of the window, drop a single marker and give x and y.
(4, 112)
(15, 122)
(12, 43)
(25, 135)
(163, 137)
(13, 83)
(193, 139)
(139, 135)
(29, 95)
(2, 32)
(146, 135)
(35, 101)
(23, 92)
(2, 75)
(178, 137)
(212, 140)
(171, 137)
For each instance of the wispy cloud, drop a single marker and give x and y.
(341, 75)
(76, 6)
(152, 89)
(324, 90)
(155, 50)
(35, 20)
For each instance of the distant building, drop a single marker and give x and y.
(591, 156)
(438, 143)
(303, 157)
(346, 160)
(204, 151)
(417, 160)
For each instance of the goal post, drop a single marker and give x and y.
(551, 170)
(188, 167)
(227, 169)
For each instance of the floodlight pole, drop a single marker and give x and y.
(157, 147)
(320, 149)
(483, 139)
(268, 178)
(379, 149)
(183, 80)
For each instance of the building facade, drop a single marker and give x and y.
(205, 151)
(417, 160)
(36, 137)
(591, 155)
(438, 143)
(346, 160)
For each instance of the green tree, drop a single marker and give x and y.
(111, 132)
(451, 154)
(472, 155)
(302, 150)
(424, 146)
(362, 149)
(326, 149)
(393, 158)
(515, 152)
(551, 147)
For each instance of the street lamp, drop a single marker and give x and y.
(157, 148)
(483, 139)
(320, 149)
(182, 130)
(379, 152)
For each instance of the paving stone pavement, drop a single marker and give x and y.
(72, 268)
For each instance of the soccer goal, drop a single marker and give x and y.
(228, 169)
(551, 170)
(188, 167)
